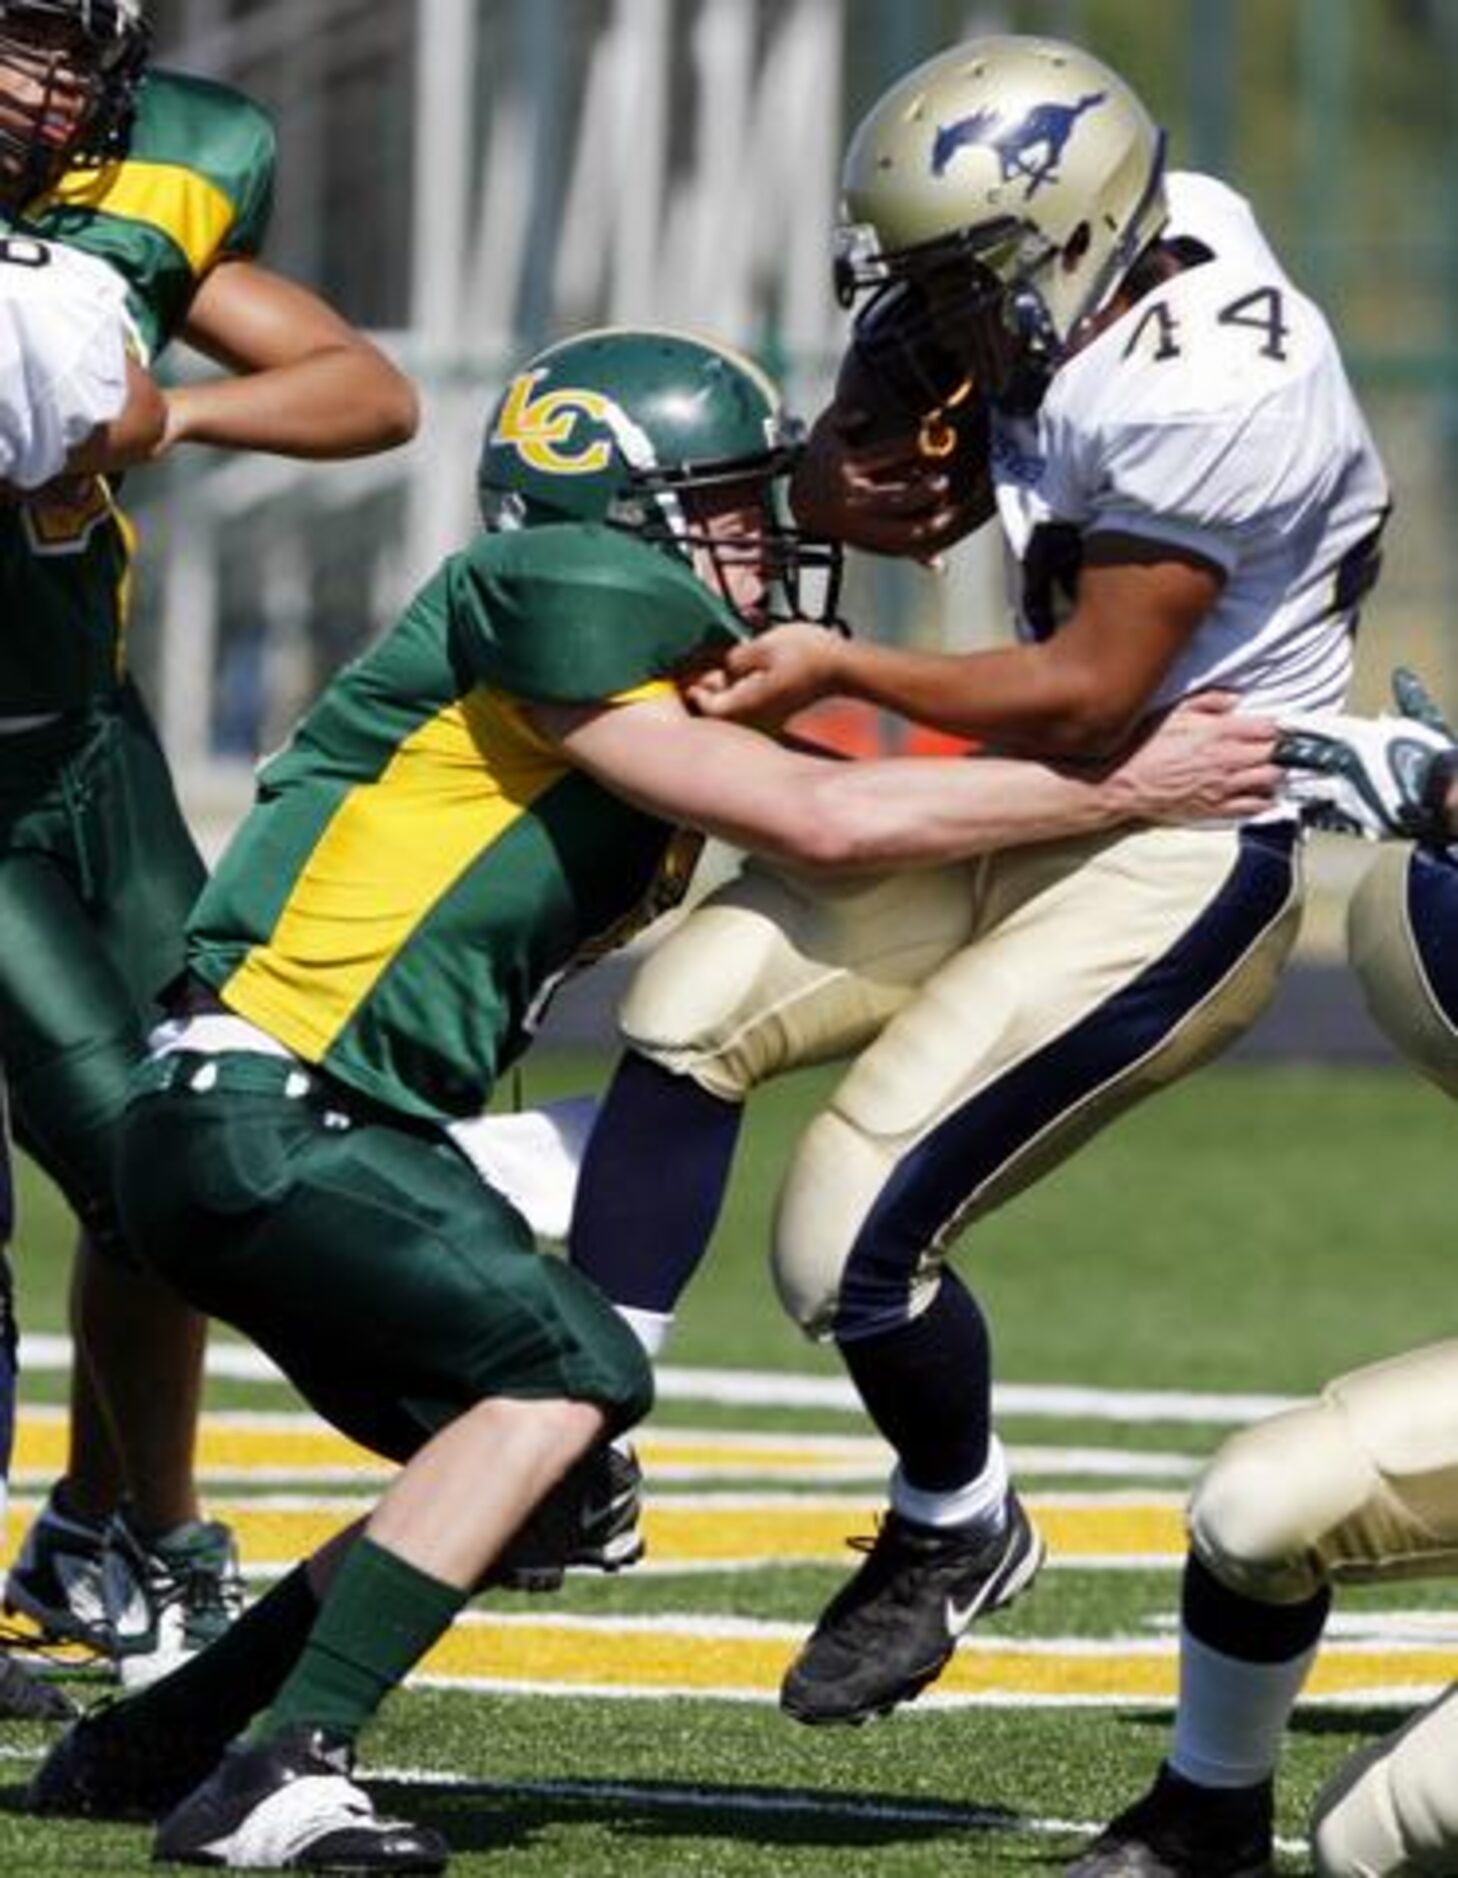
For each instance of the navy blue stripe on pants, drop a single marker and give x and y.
(975, 1142)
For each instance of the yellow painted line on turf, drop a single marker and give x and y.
(233, 1444)
(224, 1447)
(732, 1532)
(691, 1658)
(240, 1444)
(280, 1526)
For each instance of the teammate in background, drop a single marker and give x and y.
(73, 398)
(485, 801)
(1116, 360)
(168, 179)
(1358, 1486)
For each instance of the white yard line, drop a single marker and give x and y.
(787, 1389)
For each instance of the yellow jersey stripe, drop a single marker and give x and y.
(391, 851)
(184, 205)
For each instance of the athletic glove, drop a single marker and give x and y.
(1382, 778)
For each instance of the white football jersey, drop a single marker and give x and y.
(64, 333)
(1214, 415)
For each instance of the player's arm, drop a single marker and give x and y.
(850, 817)
(1082, 690)
(303, 382)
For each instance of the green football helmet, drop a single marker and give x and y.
(639, 429)
(69, 72)
(1007, 186)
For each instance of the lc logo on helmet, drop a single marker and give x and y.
(1032, 148)
(542, 430)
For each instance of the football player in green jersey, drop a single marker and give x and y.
(73, 400)
(168, 179)
(479, 805)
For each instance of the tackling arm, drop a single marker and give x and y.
(845, 818)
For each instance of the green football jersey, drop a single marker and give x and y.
(421, 866)
(195, 185)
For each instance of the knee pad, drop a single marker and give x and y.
(834, 1180)
(1263, 1507)
(1400, 923)
(1360, 1484)
(774, 972)
(1393, 1808)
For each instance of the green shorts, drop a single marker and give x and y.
(365, 1255)
(97, 875)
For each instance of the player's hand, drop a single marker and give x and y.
(883, 495)
(1202, 762)
(1383, 778)
(898, 463)
(769, 678)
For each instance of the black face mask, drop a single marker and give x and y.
(58, 52)
(928, 341)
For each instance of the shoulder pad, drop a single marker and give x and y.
(580, 612)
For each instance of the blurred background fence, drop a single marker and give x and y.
(469, 178)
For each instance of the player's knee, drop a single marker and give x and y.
(1393, 1808)
(695, 1011)
(1263, 1510)
(628, 1384)
(830, 1276)
(1404, 898)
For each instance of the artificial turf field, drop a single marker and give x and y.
(1243, 1238)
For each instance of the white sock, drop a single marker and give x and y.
(980, 1502)
(1232, 1714)
(651, 1328)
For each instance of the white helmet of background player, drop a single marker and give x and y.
(1010, 181)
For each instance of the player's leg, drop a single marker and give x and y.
(1392, 1809)
(93, 897)
(69, 1032)
(1400, 926)
(1101, 971)
(143, 1347)
(771, 973)
(408, 1304)
(23, 1696)
(1360, 1484)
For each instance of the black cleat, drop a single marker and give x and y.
(589, 1520)
(24, 1696)
(105, 1766)
(1180, 1830)
(56, 1578)
(891, 1630)
(292, 1805)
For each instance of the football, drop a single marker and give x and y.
(897, 463)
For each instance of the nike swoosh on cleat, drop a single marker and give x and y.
(960, 1615)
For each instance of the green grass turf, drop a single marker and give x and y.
(1254, 1230)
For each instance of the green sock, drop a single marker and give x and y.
(215, 1694)
(378, 1619)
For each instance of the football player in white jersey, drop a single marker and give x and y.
(1192, 498)
(74, 398)
(1359, 1485)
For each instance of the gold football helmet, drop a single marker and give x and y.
(1010, 181)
